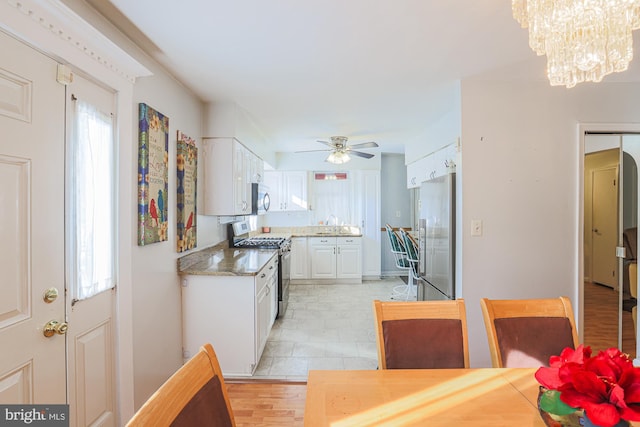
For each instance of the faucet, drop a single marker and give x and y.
(335, 221)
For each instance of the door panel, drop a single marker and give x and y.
(32, 367)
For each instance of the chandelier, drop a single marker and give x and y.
(584, 40)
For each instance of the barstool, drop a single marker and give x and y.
(411, 250)
(400, 292)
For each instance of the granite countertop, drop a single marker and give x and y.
(314, 231)
(224, 261)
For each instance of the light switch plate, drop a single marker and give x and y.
(476, 227)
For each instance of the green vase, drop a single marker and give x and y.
(552, 420)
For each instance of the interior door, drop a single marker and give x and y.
(32, 366)
(605, 226)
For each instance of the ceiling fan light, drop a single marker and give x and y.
(338, 158)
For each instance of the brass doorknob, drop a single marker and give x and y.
(54, 327)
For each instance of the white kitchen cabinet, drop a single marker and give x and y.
(436, 164)
(288, 190)
(367, 198)
(335, 258)
(299, 259)
(266, 303)
(417, 172)
(322, 256)
(348, 258)
(226, 188)
(233, 313)
(255, 167)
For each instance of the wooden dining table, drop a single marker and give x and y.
(422, 397)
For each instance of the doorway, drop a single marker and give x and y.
(610, 217)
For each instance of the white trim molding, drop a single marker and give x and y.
(74, 37)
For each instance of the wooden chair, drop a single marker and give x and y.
(421, 334)
(193, 396)
(526, 332)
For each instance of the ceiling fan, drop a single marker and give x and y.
(340, 150)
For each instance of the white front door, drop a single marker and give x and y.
(32, 366)
(92, 326)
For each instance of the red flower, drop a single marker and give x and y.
(551, 377)
(606, 386)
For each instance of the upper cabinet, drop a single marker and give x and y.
(436, 164)
(287, 190)
(229, 170)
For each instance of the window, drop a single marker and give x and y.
(91, 216)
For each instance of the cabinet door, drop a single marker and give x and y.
(349, 258)
(241, 181)
(323, 258)
(299, 258)
(273, 180)
(296, 190)
(263, 320)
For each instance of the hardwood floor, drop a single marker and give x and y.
(267, 403)
(601, 320)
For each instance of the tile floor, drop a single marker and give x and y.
(326, 326)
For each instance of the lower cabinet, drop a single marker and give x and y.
(233, 313)
(299, 259)
(349, 259)
(335, 258)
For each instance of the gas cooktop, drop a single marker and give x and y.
(260, 242)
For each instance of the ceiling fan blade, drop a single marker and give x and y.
(327, 143)
(365, 145)
(311, 151)
(361, 154)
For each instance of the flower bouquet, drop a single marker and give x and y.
(603, 390)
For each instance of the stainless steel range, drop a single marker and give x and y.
(238, 233)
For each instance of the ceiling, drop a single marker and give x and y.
(308, 69)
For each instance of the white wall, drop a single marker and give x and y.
(441, 132)
(520, 163)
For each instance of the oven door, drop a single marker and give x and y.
(284, 280)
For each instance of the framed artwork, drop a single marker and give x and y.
(153, 174)
(187, 169)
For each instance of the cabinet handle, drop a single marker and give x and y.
(338, 250)
(271, 267)
(262, 275)
(334, 251)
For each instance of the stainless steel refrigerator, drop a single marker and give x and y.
(437, 238)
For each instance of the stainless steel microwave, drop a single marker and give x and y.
(260, 200)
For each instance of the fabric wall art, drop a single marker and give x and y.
(187, 169)
(153, 173)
